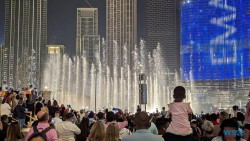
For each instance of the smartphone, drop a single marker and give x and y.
(73, 120)
(115, 110)
(52, 121)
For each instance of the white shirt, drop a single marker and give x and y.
(66, 130)
(56, 120)
(219, 138)
(4, 87)
(5, 109)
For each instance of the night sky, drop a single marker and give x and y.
(62, 21)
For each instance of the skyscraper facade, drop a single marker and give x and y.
(162, 24)
(88, 40)
(121, 26)
(25, 41)
(1, 62)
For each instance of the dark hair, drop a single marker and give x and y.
(55, 103)
(228, 123)
(240, 116)
(235, 107)
(85, 129)
(161, 122)
(100, 115)
(37, 135)
(48, 104)
(44, 117)
(179, 92)
(4, 118)
(91, 114)
(214, 117)
(69, 116)
(110, 116)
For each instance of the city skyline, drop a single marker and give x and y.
(25, 42)
(62, 21)
(121, 30)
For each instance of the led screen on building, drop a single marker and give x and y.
(215, 39)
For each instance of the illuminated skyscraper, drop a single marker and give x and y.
(55, 50)
(121, 26)
(1, 62)
(88, 40)
(25, 41)
(162, 24)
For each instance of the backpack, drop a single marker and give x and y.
(43, 133)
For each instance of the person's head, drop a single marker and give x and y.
(39, 99)
(91, 114)
(163, 108)
(100, 115)
(69, 116)
(112, 132)
(110, 116)
(37, 137)
(142, 120)
(193, 123)
(14, 132)
(214, 117)
(55, 103)
(97, 132)
(228, 126)
(235, 107)
(179, 93)
(48, 103)
(4, 118)
(20, 101)
(162, 125)
(240, 116)
(223, 116)
(208, 127)
(43, 116)
(81, 111)
(57, 114)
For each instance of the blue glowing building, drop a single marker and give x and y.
(215, 39)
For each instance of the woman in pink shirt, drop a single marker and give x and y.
(179, 128)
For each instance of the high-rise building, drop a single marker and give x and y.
(88, 40)
(25, 41)
(1, 62)
(121, 26)
(55, 50)
(162, 24)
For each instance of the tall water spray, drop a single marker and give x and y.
(86, 85)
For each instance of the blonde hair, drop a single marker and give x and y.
(97, 132)
(14, 132)
(112, 132)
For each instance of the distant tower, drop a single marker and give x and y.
(121, 26)
(25, 36)
(88, 40)
(1, 63)
(162, 24)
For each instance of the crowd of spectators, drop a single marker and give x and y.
(59, 123)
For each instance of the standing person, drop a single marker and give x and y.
(179, 128)
(208, 128)
(163, 112)
(112, 133)
(100, 117)
(3, 132)
(142, 124)
(234, 112)
(14, 132)
(4, 86)
(31, 102)
(57, 119)
(38, 105)
(67, 130)
(53, 108)
(84, 126)
(20, 110)
(44, 127)
(138, 108)
(5, 108)
(111, 117)
(97, 132)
